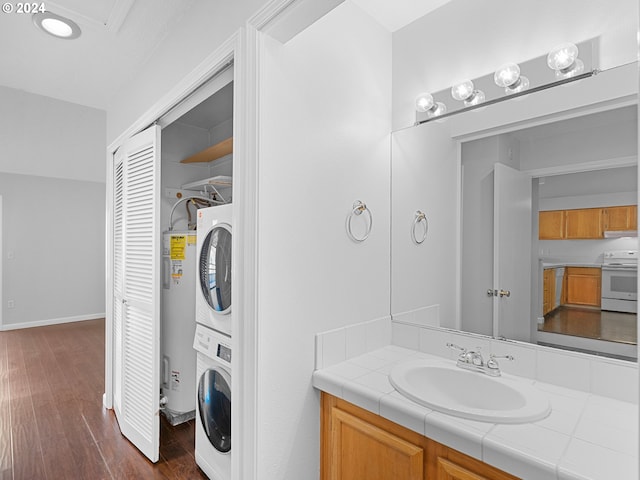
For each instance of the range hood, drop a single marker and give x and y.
(620, 233)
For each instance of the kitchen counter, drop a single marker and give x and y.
(586, 436)
(570, 264)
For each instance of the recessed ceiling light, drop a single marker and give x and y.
(56, 25)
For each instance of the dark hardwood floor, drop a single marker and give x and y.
(52, 422)
(592, 323)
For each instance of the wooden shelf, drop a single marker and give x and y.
(225, 147)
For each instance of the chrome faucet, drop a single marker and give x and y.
(473, 360)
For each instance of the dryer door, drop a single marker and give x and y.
(214, 404)
(215, 268)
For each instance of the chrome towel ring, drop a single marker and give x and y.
(358, 209)
(417, 220)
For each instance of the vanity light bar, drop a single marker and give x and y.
(559, 67)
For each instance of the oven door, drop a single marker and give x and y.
(620, 283)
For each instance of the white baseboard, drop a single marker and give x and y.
(52, 321)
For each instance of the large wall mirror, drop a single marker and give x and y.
(482, 177)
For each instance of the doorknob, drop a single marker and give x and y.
(504, 293)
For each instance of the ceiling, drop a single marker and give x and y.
(395, 14)
(115, 33)
(118, 37)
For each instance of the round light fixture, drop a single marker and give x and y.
(424, 102)
(56, 25)
(463, 90)
(507, 75)
(562, 56)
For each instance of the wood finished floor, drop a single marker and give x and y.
(592, 323)
(52, 422)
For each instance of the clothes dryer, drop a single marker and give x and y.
(213, 289)
(213, 403)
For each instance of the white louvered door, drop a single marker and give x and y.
(118, 279)
(138, 415)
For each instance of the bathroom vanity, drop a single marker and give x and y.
(370, 430)
(359, 444)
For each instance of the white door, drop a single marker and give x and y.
(139, 384)
(118, 278)
(512, 254)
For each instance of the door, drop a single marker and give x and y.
(137, 285)
(512, 254)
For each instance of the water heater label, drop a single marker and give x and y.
(176, 271)
(175, 380)
(178, 247)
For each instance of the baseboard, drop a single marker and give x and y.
(52, 321)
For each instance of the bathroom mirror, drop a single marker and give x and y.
(568, 147)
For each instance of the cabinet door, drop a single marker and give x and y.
(549, 290)
(621, 218)
(583, 286)
(551, 225)
(362, 450)
(583, 223)
(358, 444)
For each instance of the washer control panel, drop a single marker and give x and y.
(213, 344)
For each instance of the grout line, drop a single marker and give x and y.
(95, 442)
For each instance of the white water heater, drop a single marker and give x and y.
(178, 327)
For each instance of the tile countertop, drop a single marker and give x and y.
(586, 436)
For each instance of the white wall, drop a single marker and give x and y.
(325, 110)
(52, 185)
(54, 229)
(205, 26)
(51, 138)
(470, 38)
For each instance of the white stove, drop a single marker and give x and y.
(620, 281)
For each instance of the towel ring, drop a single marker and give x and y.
(358, 209)
(419, 218)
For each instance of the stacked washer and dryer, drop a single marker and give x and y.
(212, 342)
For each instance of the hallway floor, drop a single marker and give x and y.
(592, 323)
(52, 422)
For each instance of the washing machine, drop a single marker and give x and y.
(213, 403)
(213, 289)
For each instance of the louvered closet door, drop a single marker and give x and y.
(118, 278)
(140, 395)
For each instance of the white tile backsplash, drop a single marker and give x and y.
(569, 370)
(563, 369)
(614, 380)
(338, 345)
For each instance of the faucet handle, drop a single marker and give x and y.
(492, 363)
(453, 346)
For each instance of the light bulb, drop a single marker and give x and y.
(424, 102)
(463, 90)
(575, 69)
(507, 75)
(562, 56)
(476, 97)
(438, 109)
(520, 86)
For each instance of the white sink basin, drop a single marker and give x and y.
(442, 386)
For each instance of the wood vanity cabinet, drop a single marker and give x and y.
(551, 225)
(583, 223)
(358, 445)
(621, 218)
(583, 286)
